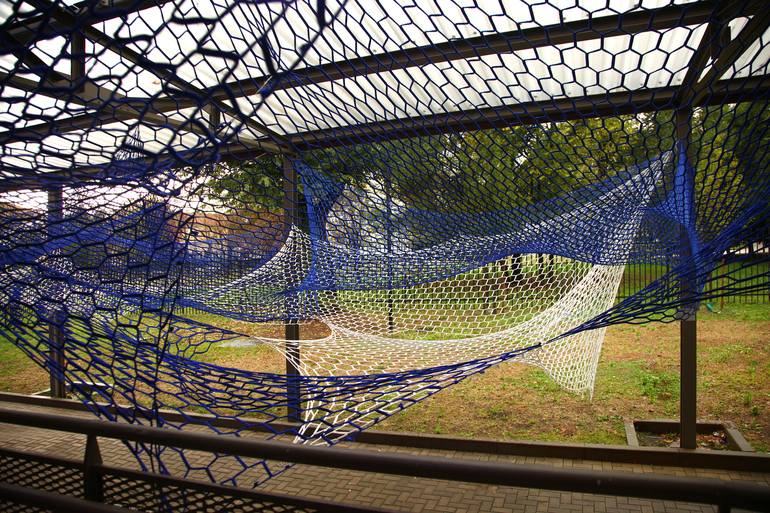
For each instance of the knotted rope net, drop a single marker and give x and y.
(422, 189)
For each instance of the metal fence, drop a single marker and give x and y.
(97, 487)
(748, 266)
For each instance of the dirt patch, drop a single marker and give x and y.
(717, 440)
(310, 330)
(28, 379)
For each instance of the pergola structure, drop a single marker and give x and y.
(248, 99)
(700, 58)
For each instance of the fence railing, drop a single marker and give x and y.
(749, 267)
(98, 480)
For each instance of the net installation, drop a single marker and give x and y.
(423, 189)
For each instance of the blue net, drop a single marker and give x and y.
(417, 190)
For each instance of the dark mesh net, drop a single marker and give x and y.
(425, 188)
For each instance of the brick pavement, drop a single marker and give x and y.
(417, 495)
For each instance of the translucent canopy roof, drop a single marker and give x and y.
(243, 78)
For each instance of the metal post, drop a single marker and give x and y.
(55, 332)
(78, 61)
(688, 353)
(93, 485)
(291, 325)
(689, 380)
(389, 249)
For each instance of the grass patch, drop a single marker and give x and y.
(637, 379)
(659, 385)
(18, 373)
(260, 358)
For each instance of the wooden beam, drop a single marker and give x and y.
(490, 44)
(27, 179)
(38, 132)
(688, 340)
(291, 323)
(652, 19)
(699, 59)
(56, 339)
(95, 121)
(30, 62)
(727, 91)
(92, 95)
(692, 92)
(78, 75)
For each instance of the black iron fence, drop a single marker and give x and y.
(748, 266)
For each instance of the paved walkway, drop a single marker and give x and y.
(400, 493)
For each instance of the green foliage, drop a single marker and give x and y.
(497, 412)
(729, 146)
(506, 168)
(248, 183)
(659, 385)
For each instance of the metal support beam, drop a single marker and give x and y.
(70, 21)
(291, 325)
(728, 55)
(554, 110)
(688, 353)
(57, 361)
(489, 44)
(93, 483)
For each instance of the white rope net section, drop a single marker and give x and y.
(520, 305)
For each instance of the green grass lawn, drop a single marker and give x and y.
(637, 379)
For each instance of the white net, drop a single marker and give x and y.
(518, 306)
